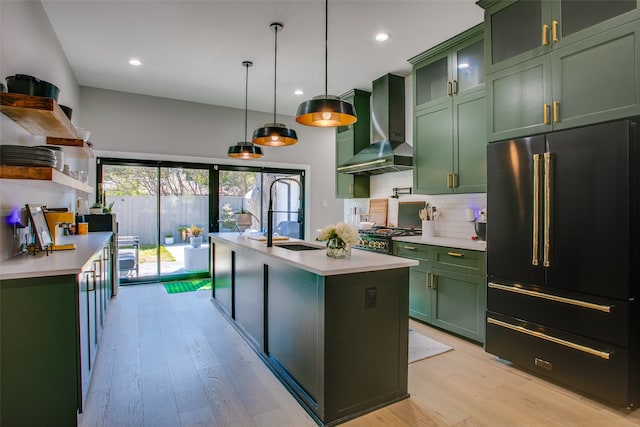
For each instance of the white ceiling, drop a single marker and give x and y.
(193, 50)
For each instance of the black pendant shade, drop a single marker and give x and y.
(245, 150)
(326, 110)
(275, 134)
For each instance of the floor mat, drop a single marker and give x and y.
(187, 286)
(421, 347)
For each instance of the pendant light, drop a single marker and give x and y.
(245, 150)
(275, 134)
(326, 110)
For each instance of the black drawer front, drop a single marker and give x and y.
(607, 379)
(595, 318)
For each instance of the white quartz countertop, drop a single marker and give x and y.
(57, 263)
(317, 261)
(474, 245)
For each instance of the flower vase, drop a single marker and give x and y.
(337, 248)
(196, 241)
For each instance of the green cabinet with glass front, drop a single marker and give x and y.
(449, 116)
(448, 288)
(559, 64)
(349, 141)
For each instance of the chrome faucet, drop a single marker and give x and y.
(270, 210)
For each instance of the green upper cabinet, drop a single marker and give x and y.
(452, 68)
(560, 64)
(349, 141)
(519, 30)
(449, 116)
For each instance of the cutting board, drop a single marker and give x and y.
(378, 211)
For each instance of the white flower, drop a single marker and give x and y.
(340, 231)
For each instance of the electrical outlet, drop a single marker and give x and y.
(371, 298)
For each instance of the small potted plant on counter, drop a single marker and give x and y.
(168, 239)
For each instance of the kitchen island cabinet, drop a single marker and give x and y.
(334, 331)
(52, 310)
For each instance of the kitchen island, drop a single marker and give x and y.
(334, 331)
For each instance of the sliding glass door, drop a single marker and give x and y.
(165, 210)
(159, 205)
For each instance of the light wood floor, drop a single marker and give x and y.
(173, 360)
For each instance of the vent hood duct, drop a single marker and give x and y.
(388, 152)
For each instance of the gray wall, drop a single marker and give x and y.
(133, 126)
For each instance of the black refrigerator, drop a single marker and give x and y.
(563, 257)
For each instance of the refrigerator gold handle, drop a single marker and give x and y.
(554, 31)
(556, 298)
(595, 352)
(547, 209)
(536, 210)
(545, 31)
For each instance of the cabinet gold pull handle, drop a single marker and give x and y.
(410, 248)
(547, 209)
(454, 180)
(449, 88)
(448, 180)
(545, 31)
(545, 114)
(536, 210)
(455, 254)
(433, 281)
(554, 31)
(454, 86)
(556, 111)
(550, 297)
(556, 340)
(428, 280)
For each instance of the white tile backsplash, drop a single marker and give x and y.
(451, 208)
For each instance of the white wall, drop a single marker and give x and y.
(28, 46)
(126, 125)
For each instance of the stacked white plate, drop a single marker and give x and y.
(21, 155)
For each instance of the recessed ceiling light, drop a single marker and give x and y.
(382, 37)
(135, 62)
(298, 92)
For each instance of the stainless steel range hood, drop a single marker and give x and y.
(388, 152)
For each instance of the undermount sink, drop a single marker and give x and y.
(298, 246)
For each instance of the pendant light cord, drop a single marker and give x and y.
(275, 71)
(246, 98)
(326, 45)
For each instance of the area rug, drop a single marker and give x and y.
(421, 347)
(187, 286)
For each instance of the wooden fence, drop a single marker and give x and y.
(138, 215)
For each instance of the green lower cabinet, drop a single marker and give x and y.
(419, 295)
(448, 288)
(458, 303)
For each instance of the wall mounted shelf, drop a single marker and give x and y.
(72, 147)
(43, 174)
(38, 115)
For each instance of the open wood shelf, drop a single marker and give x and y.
(72, 147)
(38, 115)
(43, 174)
